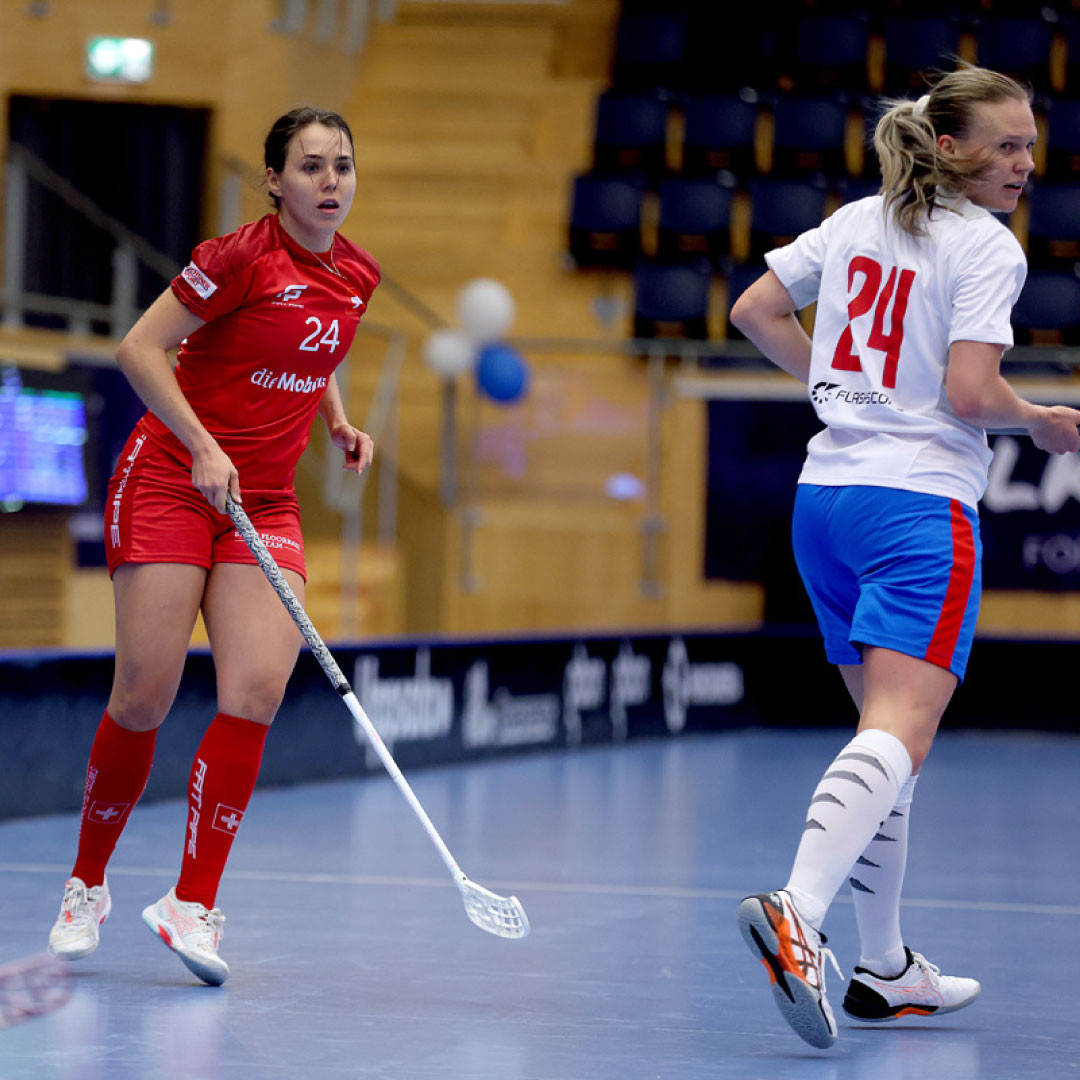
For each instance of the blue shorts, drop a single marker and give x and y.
(896, 569)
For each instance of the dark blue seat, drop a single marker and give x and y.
(809, 136)
(631, 134)
(853, 190)
(671, 300)
(605, 222)
(695, 220)
(780, 210)
(1019, 46)
(1048, 310)
(830, 53)
(649, 50)
(723, 57)
(1054, 226)
(914, 47)
(1063, 140)
(1072, 56)
(719, 136)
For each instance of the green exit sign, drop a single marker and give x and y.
(119, 59)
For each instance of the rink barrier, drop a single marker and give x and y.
(444, 701)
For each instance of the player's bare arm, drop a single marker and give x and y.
(766, 315)
(982, 397)
(358, 446)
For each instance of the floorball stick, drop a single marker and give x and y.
(500, 915)
(31, 987)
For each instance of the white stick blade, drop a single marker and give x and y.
(31, 987)
(502, 916)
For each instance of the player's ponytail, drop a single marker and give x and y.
(916, 174)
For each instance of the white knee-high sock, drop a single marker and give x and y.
(856, 793)
(876, 881)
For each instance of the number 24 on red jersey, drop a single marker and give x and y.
(872, 295)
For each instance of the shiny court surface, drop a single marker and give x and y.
(352, 956)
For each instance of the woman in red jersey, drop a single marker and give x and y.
(262, 317)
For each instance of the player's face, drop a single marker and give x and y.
(1002, 134)
(317, 184)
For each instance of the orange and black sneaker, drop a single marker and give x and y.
(919, 990)
(791, 950)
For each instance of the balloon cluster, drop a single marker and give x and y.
(486, 311)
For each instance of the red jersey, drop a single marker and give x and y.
(279, 320)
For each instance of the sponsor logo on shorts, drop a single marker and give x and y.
(198, 281)
(227, 819)
(107, 813)
(118, 498)
(288, 381)
(274, 541)
(822, 392)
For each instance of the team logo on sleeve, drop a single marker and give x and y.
(822, 392)
(198, 281)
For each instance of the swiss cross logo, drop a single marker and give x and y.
(107, 813)
(198, 281)
(227, 819)
(293, 292)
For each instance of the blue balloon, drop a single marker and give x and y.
(501, 373)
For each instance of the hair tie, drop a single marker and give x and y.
(920, 106)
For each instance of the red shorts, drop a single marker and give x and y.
(153, 514)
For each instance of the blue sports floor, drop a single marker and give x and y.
(352, 956)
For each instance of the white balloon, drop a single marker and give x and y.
(486, 309)
(449, 352)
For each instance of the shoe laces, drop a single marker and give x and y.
(932, 970)
(76, 903)
(211, 929)
(827, 954)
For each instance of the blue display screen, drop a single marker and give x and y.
(43, 436)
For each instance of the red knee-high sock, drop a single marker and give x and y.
(223, 777)
(116, 776)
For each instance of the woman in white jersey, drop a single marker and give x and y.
(914, 288)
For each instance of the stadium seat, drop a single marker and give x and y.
(1048, 310)
(1063, 140)
(671, 301)
(1018, 46)
(722, 58)
(649, 52)
(695, 220)
(780, 210)
(853, 190)
(1054, 226)
(605, 222)
(914, 47)
(809, 136)
(631, 134)
(830, 53)
(719, 136)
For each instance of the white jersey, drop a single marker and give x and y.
(889, 307)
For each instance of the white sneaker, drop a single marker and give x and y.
(919, 990)
(791, 950)
(76, 932)
(192, 932)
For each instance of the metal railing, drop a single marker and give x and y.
(129, 251)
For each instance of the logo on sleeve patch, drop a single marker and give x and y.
(198, 281)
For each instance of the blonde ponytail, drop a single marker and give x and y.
(915, 171)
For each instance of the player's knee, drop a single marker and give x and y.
(258, 700)
(138, 714)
